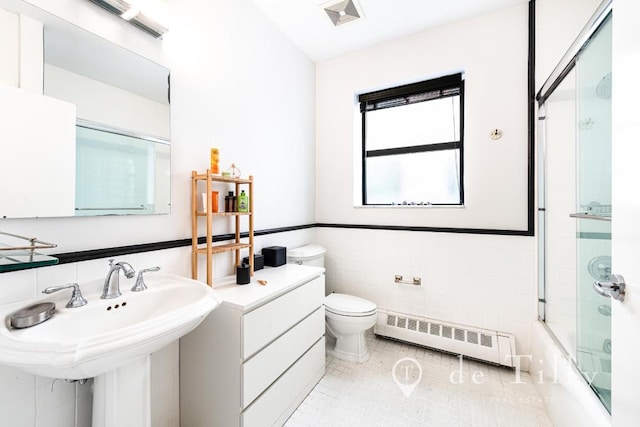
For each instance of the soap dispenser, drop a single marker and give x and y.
(243, 202)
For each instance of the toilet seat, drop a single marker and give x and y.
(349, 305)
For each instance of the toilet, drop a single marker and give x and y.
(347, 317)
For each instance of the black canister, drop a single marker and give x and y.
(228, 202)
(243, 274)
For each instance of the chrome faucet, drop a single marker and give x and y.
(140, 285)
(111, 287)
(77, 300)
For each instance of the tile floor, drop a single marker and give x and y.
(446, 394)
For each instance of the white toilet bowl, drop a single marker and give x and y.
(347, 318)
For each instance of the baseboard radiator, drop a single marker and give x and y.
(481, 344)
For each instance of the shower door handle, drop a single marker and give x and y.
(613, 289)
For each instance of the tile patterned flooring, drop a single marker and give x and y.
(446, 394)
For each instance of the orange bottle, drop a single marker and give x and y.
(214, 201)
(215, 161)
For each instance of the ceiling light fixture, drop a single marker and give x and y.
(135, 15)
(342, 11)
(128, 15)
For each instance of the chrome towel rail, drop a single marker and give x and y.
(34, 243)
(587, 215)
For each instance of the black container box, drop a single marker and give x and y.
(274, 256)
(243, 274)
(258, 261)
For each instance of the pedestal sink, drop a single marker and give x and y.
(110, 340)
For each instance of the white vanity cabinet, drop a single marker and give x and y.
(254, 359)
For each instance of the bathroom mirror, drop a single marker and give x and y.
(121, 155)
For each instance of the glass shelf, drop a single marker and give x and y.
(20, 260)
(19, 257)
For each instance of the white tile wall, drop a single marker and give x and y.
(475, 280)
(17, 286)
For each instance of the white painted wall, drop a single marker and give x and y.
(237, 84)
(31, 54)
(492, 51)
(558, 23)
(9, 48)
(21, 51)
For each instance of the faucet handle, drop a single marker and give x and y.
(140, 285)
(77, 300)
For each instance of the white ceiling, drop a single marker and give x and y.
(308, 26)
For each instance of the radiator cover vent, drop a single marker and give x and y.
(483, 344)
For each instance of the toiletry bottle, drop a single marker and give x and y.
(228, 202)
(215, 161)
(243, 202)
(214, 201)
(234, 202)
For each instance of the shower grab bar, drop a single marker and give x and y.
(586, 215)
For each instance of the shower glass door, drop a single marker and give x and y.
(575, 210)
(593, 222)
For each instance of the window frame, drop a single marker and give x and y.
(447, 86)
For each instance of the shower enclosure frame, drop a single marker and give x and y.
(567, 64)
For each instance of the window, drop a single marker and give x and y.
(412, 143)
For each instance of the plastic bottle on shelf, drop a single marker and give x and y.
(215, 161)
(243, 202)
(228, 202)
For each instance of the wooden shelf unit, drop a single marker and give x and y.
(209, 249)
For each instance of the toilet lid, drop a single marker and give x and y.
(306, 252)
(349, 305)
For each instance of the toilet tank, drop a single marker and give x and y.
(307, 255)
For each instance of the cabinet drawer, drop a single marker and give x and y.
(267, 365)
(289, 389)
(266, 323)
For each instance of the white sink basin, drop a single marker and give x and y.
(103, 335)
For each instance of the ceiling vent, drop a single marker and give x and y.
(342, 12)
